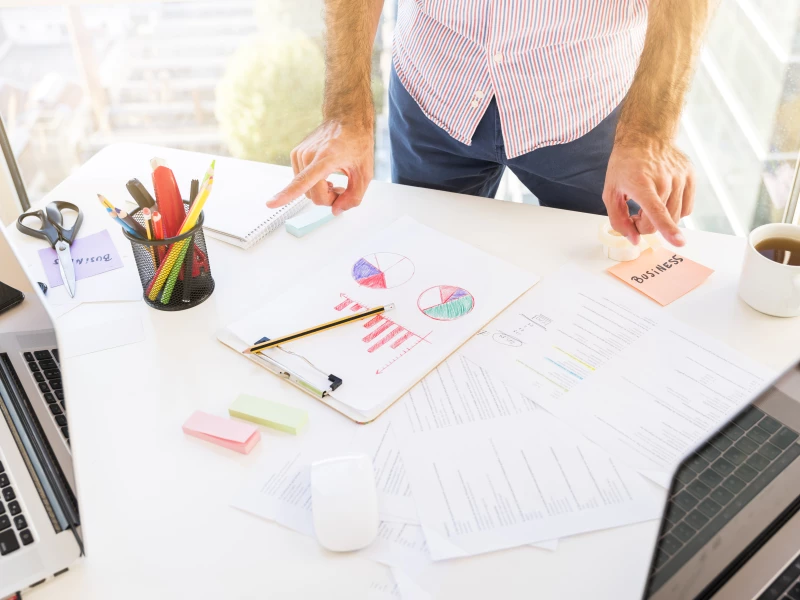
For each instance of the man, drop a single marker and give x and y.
(549, 88)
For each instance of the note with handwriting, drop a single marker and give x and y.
(91, 255)
(661, 274)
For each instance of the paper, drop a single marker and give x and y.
(377, 441)
(409, 590)
(101, 336)
(444, 291)
(227, 433)
(661, 274)
(91, 255)
(643, 386)
(270, 414)
(507, 482)
(395, 501)
(457, 392)
(282, 492)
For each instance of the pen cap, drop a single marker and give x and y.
(189, 282)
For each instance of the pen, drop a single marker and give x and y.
(148, 228)
(317, 329)
(140, 194)
(158, 232)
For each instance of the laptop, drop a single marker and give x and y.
(731, 525)
(40, 530)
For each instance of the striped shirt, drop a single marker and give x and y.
(556, 67)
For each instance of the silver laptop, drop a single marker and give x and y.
(40, 532)
(731, 527)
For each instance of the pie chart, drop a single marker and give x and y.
(445, 302)
(383, 270)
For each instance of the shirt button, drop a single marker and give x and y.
(479, 94)
(474, 104)
(498, 58)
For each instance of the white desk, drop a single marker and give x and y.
(155, 503)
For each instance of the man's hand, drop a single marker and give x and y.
(645, 166)
(345, 140)
(332, 147)
(659, 178)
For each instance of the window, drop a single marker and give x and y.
(244, 78)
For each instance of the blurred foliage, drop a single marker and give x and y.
(270, 97)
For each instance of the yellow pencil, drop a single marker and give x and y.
(318, 328)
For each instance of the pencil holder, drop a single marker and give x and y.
(175, 272)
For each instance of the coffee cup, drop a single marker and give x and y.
(769, 286)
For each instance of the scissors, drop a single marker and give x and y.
(52, 229)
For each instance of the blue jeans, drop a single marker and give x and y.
(568, 176)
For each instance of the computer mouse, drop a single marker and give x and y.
(344, 502)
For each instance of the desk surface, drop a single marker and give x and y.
(155, 503)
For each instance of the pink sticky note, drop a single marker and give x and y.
(227, 433)
(91, 255)
(661, 274)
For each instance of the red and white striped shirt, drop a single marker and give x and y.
(556, 67)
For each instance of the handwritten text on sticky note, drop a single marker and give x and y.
(661, 274)
(91, 255)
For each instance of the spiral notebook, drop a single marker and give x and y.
(245, 223)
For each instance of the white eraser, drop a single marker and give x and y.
(308, 221)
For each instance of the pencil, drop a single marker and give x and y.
(188, 264)
(318, 329)
(148, 229)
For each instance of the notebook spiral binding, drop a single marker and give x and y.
(276, 220)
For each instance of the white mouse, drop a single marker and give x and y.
(344, 502)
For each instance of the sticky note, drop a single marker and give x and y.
(306, 222)
(233, 435)
(91, 255)
(661, 274)
(270, 414)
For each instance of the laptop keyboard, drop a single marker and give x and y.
(717, 482)
(14, 531)
(786, 586)
(44, 367)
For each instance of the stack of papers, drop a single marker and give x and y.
(567, 414)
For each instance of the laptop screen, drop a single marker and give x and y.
(38, 498)
(730, 496)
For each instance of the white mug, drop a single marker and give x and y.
(767, 286)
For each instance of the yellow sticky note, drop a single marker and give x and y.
(661, 274)
(270, 414)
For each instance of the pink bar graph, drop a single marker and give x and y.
(373, 321)
(393, 333)
(344, 304)
(401, 339)
(378, 331)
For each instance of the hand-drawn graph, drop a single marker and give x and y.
(383, 270)
(384, 333)
(445, 302)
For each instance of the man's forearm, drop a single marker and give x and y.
(351, 26)
(653, 105)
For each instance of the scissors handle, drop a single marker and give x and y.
(46, 230)
(53, 211)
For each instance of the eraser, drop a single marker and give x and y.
(233, 435)
(270, 414)
(308, 221)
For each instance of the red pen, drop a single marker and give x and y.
(168, 197)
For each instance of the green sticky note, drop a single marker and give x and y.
(270, 414)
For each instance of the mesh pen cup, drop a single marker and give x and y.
(175, 272)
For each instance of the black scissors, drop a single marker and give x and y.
(52, 229)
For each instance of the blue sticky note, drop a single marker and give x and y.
(308, 221)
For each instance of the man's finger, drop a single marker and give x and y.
(659, 216)
(349, 198)
(688, 196)
(303, 181)
(617, 210)
(675, 200)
